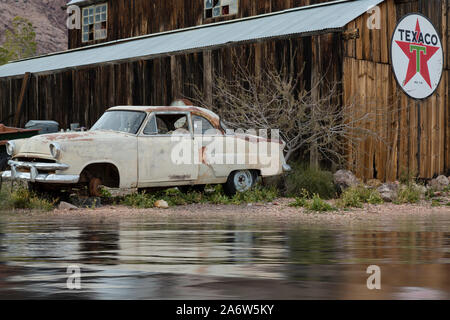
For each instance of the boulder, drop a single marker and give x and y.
(161, 204)
(440, 183)
(66, 206)
(388, 191)
(344, 179)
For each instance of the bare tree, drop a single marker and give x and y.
(276, 98)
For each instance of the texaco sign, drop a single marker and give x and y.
(417, 56)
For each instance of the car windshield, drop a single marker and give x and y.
(121, 121)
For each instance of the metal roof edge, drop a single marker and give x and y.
(152, 56)
(209, 25)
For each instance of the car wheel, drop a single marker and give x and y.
(94, 187)
(239, 181)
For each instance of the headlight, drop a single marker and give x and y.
(10, 148)
(55, 150)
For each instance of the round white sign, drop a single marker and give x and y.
(417, 56)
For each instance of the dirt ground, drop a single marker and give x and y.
(278, 210)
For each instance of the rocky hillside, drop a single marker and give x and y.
(47, 17)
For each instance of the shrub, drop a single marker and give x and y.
(429, 194)
(105, 193)
(408, 194)
(256, 194)
(22, 198)
(174, 197)
(315, 204)
(436, 203)
(314, 181)
(407, 177)
(355, 197)
(319, 205)
(139, 200)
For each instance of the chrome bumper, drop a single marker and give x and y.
(35, 176)
(287, 168)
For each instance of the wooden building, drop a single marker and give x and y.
(141, 52)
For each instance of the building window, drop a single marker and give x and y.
(94, 22)
(220, 8)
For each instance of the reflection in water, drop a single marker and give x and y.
(163, 259)
(99, 244)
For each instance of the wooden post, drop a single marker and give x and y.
(25, 82)
(315, 78)
(207, 76)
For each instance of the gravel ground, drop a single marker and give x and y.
(278, 210)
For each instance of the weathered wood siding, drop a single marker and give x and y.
(82, 94)
(129, 18)
(416, 134)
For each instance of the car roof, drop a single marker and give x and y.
(213, 117)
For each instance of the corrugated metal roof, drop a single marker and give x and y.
(76, 2)
(331, 16)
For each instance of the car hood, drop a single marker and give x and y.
(40, 144)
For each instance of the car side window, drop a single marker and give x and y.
(167, 124)
(151, 128)
(161, 126)
(203, 126)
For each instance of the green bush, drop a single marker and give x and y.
(436, 203)
(22, 198)
(315, 204)
(408, 194)
(429, 194)
(174, 197)
(355, 197)
(139, 200)
(407, 177)
(314, 181)
(319, 205)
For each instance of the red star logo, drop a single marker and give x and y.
(418, 54)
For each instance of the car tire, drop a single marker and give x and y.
(239, 181)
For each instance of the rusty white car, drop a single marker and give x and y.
(146, 147)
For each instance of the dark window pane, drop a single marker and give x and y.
(226, 10)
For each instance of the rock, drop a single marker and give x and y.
(66, 206)
(373, 183)
(344, 179)
(161, 204)
(440, 183)
(388, 191)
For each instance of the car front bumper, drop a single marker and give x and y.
(37, 172)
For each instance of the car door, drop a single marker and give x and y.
(210, 143)
(165, 150)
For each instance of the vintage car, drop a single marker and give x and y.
(146, 147)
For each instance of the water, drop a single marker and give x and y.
(165, 258)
